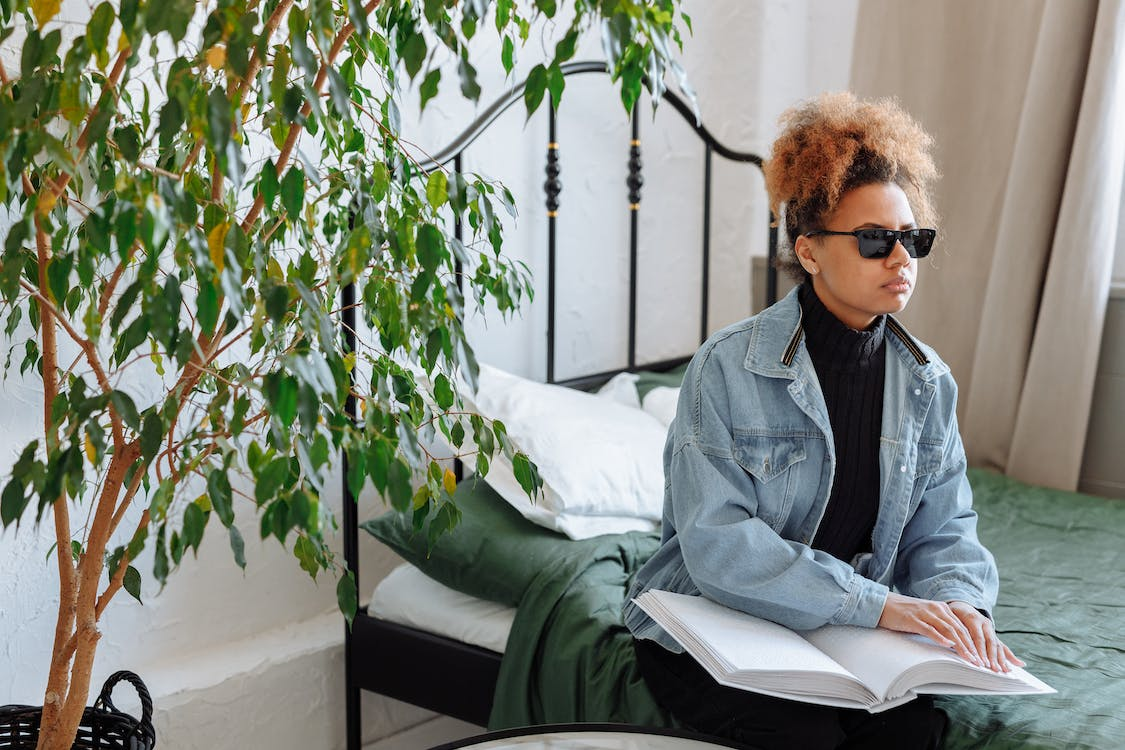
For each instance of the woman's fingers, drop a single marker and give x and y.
(1010, 657)
(956, 625)
(939, 617)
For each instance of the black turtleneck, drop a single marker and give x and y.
(849, 365)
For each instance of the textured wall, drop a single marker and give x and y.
(747, 60)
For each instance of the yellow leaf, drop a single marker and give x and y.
(215, 240)
(449, 481)
(45, 10)
(216, 56)
(204, 503)
(47, 201)
(91, 451)
(123, 42)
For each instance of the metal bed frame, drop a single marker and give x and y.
(438, 673)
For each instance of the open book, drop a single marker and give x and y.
(836, 665)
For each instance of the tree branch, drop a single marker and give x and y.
(111, 87)
(89, 349)
(295, 129)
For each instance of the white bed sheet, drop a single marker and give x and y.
(407, 596)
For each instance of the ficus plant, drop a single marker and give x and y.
(187, 186)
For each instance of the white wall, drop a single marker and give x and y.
(218, 643)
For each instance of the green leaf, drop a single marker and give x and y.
(414, 53)
(564, 50)
(281, 392)
(58, 276)
(339, 90)
(347, 597)
(547, 7)
(358, 17)
(267, 183)
(536, 88)
(279, 78)
(470, 89)
(207, 306)
(293, 192)
(270, 480)
(128, 140)
(132, 582)
(556, 82)
(218, 490)
(97, 32)
(508, 54)
(218, 120)
(172, 16)
(160, 557)
(238, 547)
(431, 247)
(13, 502)
(398, 486)
(380, 180)
(195, 520)
(443, 392)
(437, 189)
(527, 474)
(126, 409)
(152, 431)
(277, 301)
(429, 88)
(305, 551)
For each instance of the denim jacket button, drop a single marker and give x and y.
(917, 391)
(902, 468)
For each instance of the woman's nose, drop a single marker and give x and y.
(898, 255)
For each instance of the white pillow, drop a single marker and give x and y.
(661, 402)
(601, 462)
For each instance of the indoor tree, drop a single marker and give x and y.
(187, 186)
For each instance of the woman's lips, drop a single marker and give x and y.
(898, 286)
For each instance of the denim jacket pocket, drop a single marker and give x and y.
(930, 456)
(771, 461)
(767, 456)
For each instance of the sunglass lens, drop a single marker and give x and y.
(876, 243)
(918, 242)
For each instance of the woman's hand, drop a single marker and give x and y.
(957, 625)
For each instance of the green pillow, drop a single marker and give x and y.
(647, 379)
(494, 553)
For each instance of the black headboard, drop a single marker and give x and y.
(453, 154)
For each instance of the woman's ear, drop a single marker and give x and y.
(805, 250)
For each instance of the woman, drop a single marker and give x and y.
(814, 471)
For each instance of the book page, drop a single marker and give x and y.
(878, 656)
(740, 641)
(893, 664)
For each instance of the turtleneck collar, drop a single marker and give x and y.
(832, 344)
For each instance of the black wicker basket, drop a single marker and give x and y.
(103, 727)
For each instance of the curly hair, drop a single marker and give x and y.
(836, 142)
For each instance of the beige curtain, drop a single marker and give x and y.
(1026, 99)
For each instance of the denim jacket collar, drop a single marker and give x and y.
(773, 348)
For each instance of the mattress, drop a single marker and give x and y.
(407, 596)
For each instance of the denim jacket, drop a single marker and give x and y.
(748, 470)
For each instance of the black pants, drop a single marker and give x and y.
(684, 688)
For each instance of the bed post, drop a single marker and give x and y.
(634, 182)
(706, 241)
(553, 187)
(351, 531)
(458, 235)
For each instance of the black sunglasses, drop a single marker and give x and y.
(879, 243)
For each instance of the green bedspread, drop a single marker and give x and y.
(1062, 609)
(1062, 600)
